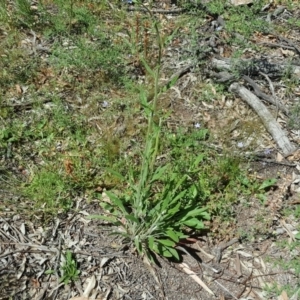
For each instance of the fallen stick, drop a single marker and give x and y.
(226, 64)
(260, 94)
(268, 120)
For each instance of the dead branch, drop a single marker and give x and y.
(268, 120)
(226, 64)
(157, 11)
(259, 93)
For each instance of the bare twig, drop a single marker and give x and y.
(268, 120)
(157, 11)
(222, 247)
(259, 93)
(272, 91)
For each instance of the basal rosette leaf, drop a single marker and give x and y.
(167, 251)
(116, 201)
(138, 245)
(267, 183)
(159, 172)
(173, 252)
(194, 223)
(166, 242)
(132, 218)
(175, 236)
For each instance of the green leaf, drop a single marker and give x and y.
(107, 206)
(173, 235)
(155, 247)
(179, 182)
(116, 201)
(170, 83)
(179, 196)
(151, 242)
(198, 212)
(166, 252)
(148, 68)
(297, 236)
(262, 198)
(198, 160)
(166, 243)
(166, 198)
(174, 253)
(132, 218)
(267, 183)
(158, 173)
(194, 191)
(170, 252)
(194, 223)
(138, 245)
(144, 103)
(174, 210)
(115, 173)
(202, 134)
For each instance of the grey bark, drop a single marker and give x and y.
(268, 120)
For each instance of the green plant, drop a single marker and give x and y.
(69, 270)
(101, 59)
(49, 191)
(257, 188)
(160, 204)
(291, 265)
(49, 272)
(24, 14)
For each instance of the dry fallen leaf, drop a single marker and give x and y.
(279, 157)
(19, 89)
(91, 282)
(283, 296)
(194, 276)
(287, 52)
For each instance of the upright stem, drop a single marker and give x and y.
(152, 137)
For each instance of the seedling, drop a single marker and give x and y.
(69, 270)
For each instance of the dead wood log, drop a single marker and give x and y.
(268, 120)
(262, 95)
(247, 65)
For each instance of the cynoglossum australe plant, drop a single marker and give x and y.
(160, 204)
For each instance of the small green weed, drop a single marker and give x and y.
(216, 7)
(100, 59)
(242, 15)
(291, 265)
(69, 269)
(295, 22)
(254, 187)
(49, 191)
(24, 15)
